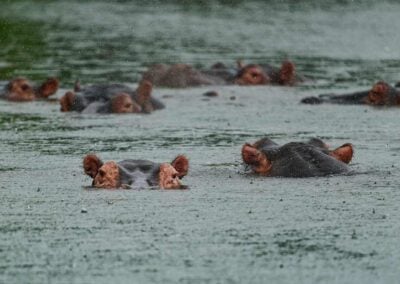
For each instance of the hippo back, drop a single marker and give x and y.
(103, 92)
(303, 160)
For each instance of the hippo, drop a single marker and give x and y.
(297, 159)
(136, 173)
(381, 94)
(183, 75)
(22, 90)
(111, 98)
(265, 74)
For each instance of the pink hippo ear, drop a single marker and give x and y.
(143, 96)
(255, 158)
(67, 101)
(48, 88)
(144, 90)
(343, 153)
(181, 165)
(91, 165)
(287, 74)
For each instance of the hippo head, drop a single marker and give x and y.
(136, 173)
(20, 89)
(251, 74)
(382, 94)
(296, 159)
(119, 103)
(123, 103)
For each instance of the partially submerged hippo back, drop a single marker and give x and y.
(103, 92)
(111, 98)
(180, 76)
(296, 159)
(381, 94)
(136, 173)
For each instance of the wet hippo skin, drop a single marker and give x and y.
(296, 159)
(265, 74)
(136, 173)
(184, 75)
(111, 98)
(381, 94)
(22, 90)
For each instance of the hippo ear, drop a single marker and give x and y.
(67, 101)
(344, 153)
(255, 158)
(48, 88)
(144, 90)
(287, 74)
(181, 165)
(91, 165)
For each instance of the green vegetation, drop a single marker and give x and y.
(21, 45)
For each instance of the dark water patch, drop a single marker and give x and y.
(301, 247)
(72, 145)
(9, 169)
(22, 45)
(25, 123)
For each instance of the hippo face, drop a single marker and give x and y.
(123, 103)
(22, 90)
(136, 173)
(383, 94)
(111, 98)
(296, 159)
(252, 75)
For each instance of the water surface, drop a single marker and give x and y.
(229, 227)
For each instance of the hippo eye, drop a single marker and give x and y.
(25, 87)
(174, 176)
(102, 173)
(128, 105)
(254, 75)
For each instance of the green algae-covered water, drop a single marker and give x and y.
(228, 227)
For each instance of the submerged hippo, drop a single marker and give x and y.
(296, 159)
(381, 94)
(136, 173)
(111, 98)
(22, 90)
(183, 75)
(254, 74)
